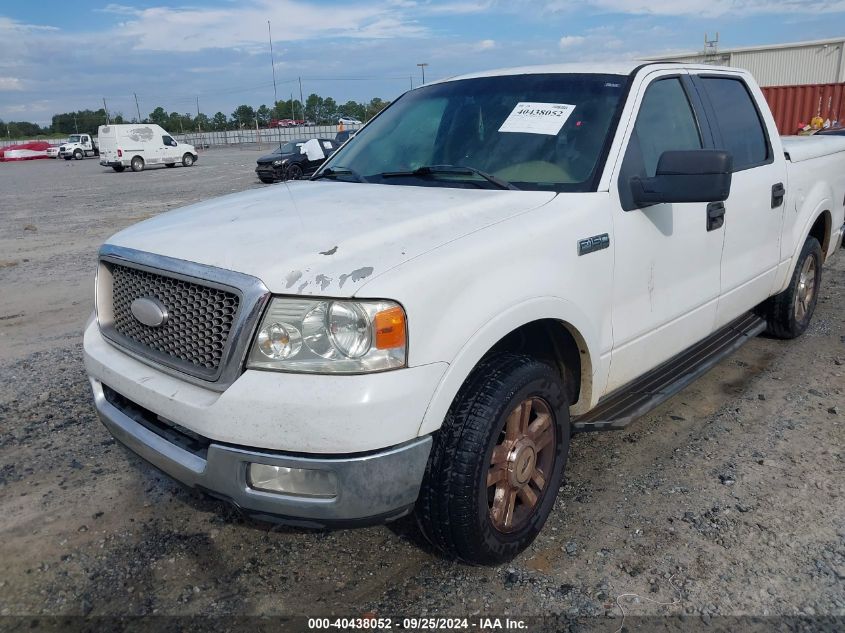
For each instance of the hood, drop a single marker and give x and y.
(269, 158)
(321, 237)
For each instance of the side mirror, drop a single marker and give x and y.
(698, 175)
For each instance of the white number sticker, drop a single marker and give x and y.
(537, 118)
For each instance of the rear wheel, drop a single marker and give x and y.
(788, 314)
(137, 164)
(497, 462)
(188, 160)
(118, 168)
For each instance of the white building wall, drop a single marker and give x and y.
(818, 64)
(780, 65)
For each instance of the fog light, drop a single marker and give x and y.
(293, 481)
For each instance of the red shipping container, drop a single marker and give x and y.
(794, 105)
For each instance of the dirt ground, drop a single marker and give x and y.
(727, 500)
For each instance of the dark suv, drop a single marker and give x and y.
(291, 162)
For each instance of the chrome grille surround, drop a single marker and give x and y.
(213, 314)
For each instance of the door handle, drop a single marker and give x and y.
(715, 215)
(778, 192)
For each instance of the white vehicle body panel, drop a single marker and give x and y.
(139, 139)
(470, 266)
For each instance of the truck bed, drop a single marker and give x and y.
(800, 148)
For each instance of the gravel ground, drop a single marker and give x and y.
(726, 500)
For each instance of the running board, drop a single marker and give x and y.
(619, 409)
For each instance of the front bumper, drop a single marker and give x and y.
(371, 488)
(268, 171)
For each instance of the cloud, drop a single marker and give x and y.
(244, 25)
(8, 25)
(570, 41)
(485, 45)
(8, 84)
(709, 8)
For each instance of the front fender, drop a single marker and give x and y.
(505, 322)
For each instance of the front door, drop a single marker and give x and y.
(666, 270)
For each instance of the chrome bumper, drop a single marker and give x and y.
(372, 488)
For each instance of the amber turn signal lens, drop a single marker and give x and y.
(390, 328)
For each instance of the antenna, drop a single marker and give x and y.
(711, 49)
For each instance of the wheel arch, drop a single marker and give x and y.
(549, 328)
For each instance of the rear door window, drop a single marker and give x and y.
(738, 121)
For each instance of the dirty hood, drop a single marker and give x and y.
(324, 238)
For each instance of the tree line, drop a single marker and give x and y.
(316, 109)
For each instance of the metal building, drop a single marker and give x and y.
(799, 63)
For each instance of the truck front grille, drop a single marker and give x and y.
(199, 320)
(211, 314)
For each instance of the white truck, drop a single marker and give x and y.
(493, 263)
(79, 146)
(137, 145)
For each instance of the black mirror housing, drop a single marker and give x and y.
(699, 175)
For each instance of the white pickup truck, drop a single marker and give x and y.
(493, 263)
(79, 146)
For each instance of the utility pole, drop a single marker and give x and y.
(199, 125)
(273, 66)
(292, 110)
(411, 78)
(137, 107)
(75, 123)
(301, 100)
(422, 68)
(106, 108)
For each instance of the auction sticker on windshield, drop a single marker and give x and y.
(537, 118)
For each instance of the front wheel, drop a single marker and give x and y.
(497, 462)
(78, 155)
(188, 160)
(265, 180)
(788, 314)
(68, 157)
(294, 172)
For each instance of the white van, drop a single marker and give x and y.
(137, 145)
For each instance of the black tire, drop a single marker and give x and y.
(454, 508)
(118, 168)
(266, 181)
(170, 164)
(78, 155)
(137, 164)
(294, 172)
(188, 160)
(68, 157)
(789, 313)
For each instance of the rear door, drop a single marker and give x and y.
(666, 267)
(753, 214)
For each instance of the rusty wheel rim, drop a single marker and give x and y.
(521, 464)
(806, 289)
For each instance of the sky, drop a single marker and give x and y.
(61, 56)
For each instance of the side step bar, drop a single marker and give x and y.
(623, 406)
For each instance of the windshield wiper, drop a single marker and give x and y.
(431, 170)
(330, 172)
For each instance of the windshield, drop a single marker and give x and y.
(289, 148)
(74, 138)
(536, 132)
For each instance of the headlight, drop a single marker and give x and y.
(277, 163)
(330, 336)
